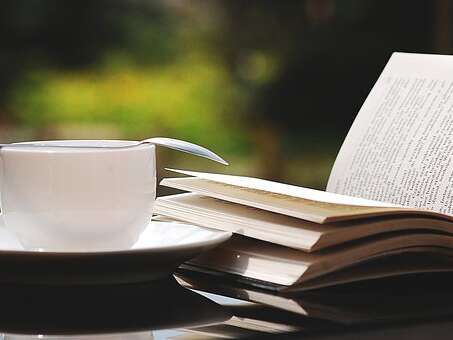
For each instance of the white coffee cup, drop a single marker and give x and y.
(74, 198)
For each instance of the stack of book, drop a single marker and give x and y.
(387, 210)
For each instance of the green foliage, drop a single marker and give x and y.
(191, 99)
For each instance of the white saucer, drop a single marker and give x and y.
(161, 248)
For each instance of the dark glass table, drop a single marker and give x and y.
(198, 306)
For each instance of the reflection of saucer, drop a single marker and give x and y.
(161, 248)
(104, 308)
(110, 336)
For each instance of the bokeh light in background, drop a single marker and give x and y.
(272, 86)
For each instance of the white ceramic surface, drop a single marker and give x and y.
(73, 198)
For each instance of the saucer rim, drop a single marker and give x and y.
(220, 237)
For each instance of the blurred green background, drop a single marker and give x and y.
(272, 86)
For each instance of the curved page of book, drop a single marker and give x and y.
(399, 147)
(280, 265)
(280, 229)
(417, 260)
(308, 204)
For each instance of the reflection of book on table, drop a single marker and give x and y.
(390, 192)
(395, 299)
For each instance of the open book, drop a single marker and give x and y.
(390, 192)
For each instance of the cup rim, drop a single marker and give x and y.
(77, 145)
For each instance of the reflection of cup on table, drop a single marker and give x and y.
(108, 311)
(148, 335)
(78, 198)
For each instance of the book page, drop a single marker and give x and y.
(400, 147)
(241, 219)
(307, 204)
(281, 265)
(289, 191)
(281, 229)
